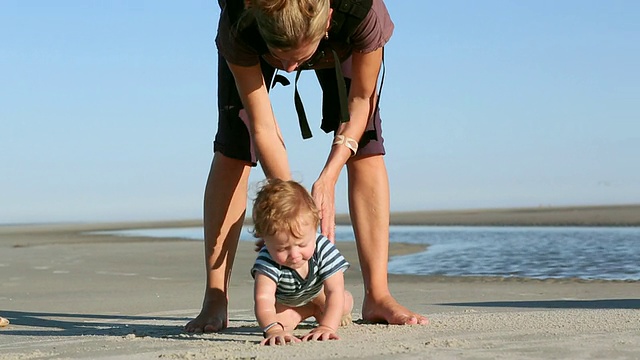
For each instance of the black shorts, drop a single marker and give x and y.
(233, 138)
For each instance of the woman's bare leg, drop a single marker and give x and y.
(225, 202)
(369, 211)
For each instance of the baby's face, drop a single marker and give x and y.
(290, 251)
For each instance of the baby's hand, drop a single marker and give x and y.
(321, 333)
(279, 338)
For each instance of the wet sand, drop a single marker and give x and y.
(69, 295)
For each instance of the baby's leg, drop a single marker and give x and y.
(290, 317)
(320, 302)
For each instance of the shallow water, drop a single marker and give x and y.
(606, 253)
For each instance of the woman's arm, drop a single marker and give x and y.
(362, 100)
(264, 129)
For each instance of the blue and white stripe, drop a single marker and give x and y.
(292, 289)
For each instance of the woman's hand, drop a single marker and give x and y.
(324, 195)
(321, 333)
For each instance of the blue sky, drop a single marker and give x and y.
(108, 108)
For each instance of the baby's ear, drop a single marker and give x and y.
(259, 244)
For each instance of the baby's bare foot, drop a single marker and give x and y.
(347, 318)
(388, 310)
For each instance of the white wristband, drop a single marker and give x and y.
(350, 143)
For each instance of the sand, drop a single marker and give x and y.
(69, 295)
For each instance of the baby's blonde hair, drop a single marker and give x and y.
(287, 24)
(283, 207)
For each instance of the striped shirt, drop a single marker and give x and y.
(292, 290)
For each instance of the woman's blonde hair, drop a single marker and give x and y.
(286, 24)
(283, 207)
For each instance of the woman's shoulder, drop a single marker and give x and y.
(229, 43)
(375, 30)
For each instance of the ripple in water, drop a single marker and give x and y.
(559, 252)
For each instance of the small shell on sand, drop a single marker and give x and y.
(3, 322)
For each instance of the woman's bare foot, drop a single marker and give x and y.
(212, 318)
(388, 310)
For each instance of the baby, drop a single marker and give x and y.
(298, 273)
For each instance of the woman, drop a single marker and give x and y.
(254, 38)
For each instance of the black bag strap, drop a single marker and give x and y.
(342, 96)
(346, 17)
(342, 89)
(302, 116)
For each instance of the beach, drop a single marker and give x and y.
(72, 295)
